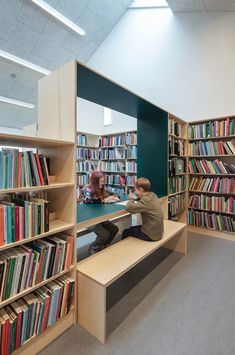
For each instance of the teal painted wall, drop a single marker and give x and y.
(152, 133)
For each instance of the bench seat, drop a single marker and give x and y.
(99, 271)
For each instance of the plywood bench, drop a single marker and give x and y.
(99, 271)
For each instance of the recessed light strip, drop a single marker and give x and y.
(23, 62)
(8, 100)
(51, 11)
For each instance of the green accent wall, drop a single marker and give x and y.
(152, 123)
(152, 159)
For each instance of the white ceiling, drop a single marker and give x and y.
(30, 33)
(201, 5)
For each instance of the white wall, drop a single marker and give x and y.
(184, 62)
(90, 119)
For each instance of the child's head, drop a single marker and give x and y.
(142, 186)
(96, 183)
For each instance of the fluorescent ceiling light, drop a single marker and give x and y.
(138, 4)
(23, 62)
(51, 11)
(107, 116)
(8, 100)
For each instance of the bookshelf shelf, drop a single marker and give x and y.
(31, 289)
(211, 193)
(177, 137)
(211, 211)
(204, 174)
(212, 138)
(54, 185)
(12, 140)
(212, 232)
(112, 146)
(37, 343)
(212, 156)
(177, 193)
(87, 146)
(56, 226)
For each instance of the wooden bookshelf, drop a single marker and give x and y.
(227, 158)
(96, 140)
(61, 196)
(180, 214)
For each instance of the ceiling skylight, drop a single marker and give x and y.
(143, 4)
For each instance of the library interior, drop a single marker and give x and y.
(117, 177)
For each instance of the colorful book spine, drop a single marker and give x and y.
(28, 265)
(131, 138)
(175, 128)
(212, 221)
(82, 139)
(22, 169)
(213, 185)
(219, 128)
(177, 184)
(131, 167)
(213, 203)
(119, 180)
(211, 148)
(114, 153)
(31, 315)
(112, 141)
(86, 166)
(176, 204)
(176, 146)
(215, 167)
(112, 167)
(87, 154)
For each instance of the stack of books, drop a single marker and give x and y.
(175, 128)
(131, 152)
(215, 185)
(114, 153)
(210, 167)
(131, 138)
(87, 154)
(22, 169)
(213, 203)
(86, 166)
(82, 139)
(212, 148)
(176, 204)
(176, 166)
(211, 221)
(115, 180)
(112, 141)
(177, 184)
(176, 146)
(112, 166)
(22, 218)
(131, 167)
(212, 129)
(26, 266)
(34, 313)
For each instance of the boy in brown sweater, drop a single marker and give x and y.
(147, 204)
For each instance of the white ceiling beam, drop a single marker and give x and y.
(8, 100)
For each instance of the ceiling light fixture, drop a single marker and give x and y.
(51, 11)
(23, 62)
(8, 100)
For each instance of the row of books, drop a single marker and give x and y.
(131, 180)
(131, 152)
(87, 154)
(26, 266)
(176, 146)
(212, 129)
(82, 180)
(212, 203)
(210, 167)
(115, 180)
(113, 153)
(32, 314)
(174, 128)
(212, 148)
(23, 218)
(112, 141)
(177, 184)
(86, 166)
(176, 204)
(119, 191)
(211, 220)
(131, 138)
(131, 167)
(82, 139)
(22, 169)
(112, 166)
(216, 185)
(176, 166)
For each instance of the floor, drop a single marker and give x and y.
(189, 311)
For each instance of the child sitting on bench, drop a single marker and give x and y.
(146, 203)
(95, 193)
